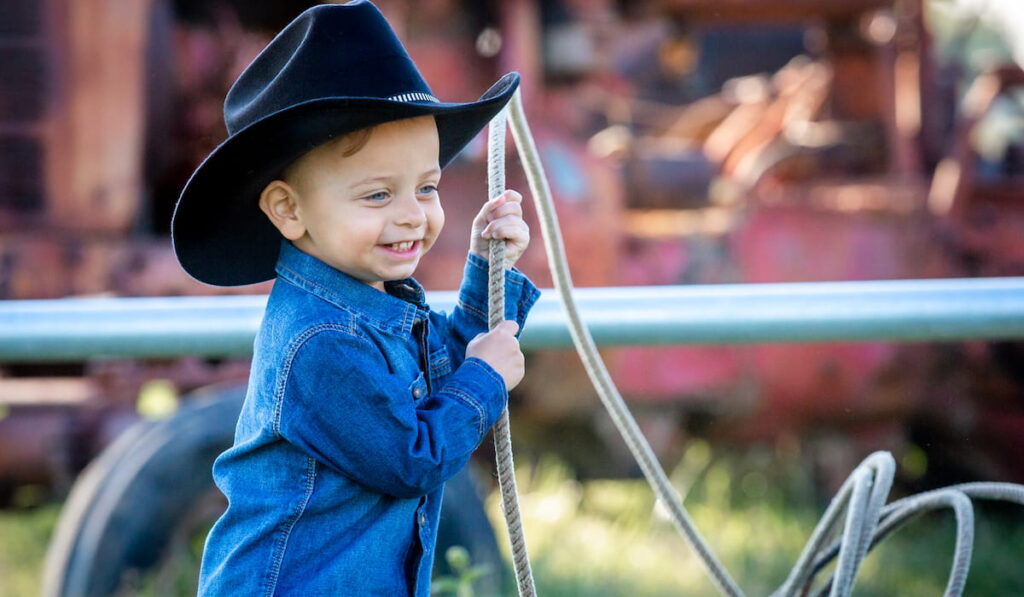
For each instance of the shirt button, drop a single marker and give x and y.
(417, 392)
(423, 519)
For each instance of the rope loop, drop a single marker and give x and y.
(862, 497)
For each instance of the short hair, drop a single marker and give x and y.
(354, 141)
(351, 143)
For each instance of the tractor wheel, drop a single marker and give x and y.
(137, 516)
(125, 506)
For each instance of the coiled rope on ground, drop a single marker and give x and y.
(868, 520)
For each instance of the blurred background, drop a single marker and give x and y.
(686, 141)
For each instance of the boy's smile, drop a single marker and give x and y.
(371, 214)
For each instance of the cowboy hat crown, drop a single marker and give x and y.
(327, 51)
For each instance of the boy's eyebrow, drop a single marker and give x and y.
(373, 179)
(368, 180)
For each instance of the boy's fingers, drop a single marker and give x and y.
(506, 209)
(495, 202)
(485, 212)
(505, 229)
(508, 220)
(509, 196)
(492, 232)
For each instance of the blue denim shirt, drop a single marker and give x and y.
(360, 405)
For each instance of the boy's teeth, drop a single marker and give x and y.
(405, 246)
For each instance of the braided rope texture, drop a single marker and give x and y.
(496, 314)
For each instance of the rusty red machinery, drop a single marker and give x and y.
(687, 141)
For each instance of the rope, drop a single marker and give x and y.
(496, 314)
(899, 512)
(862, 496)
(585, 345)
(964, 512)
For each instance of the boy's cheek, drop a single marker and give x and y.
(438, 223)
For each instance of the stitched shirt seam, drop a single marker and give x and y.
(490, 373)
(468, 400)
(286, 370)
(281, 545)
(471, 309)
(328, 295)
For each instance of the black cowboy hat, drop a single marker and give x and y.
(333, 70)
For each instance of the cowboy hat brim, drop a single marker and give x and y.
(219, 234)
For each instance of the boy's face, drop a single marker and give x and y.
(371, 214)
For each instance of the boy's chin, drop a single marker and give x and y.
(402, 275)
(396, 274)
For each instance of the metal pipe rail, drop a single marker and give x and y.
(898, 310)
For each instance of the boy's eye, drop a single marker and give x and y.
(427, 189)
(378, 196)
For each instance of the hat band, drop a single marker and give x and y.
(414, 96)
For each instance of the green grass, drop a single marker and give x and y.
(606, 538)
(23, 537)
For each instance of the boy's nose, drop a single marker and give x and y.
(410, 211)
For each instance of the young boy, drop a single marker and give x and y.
(361, 401)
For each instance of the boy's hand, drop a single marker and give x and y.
(500, 348)
(501, 218)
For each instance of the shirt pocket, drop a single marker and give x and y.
(418, 388)
(440, 363)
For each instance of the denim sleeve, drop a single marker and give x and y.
(341, 406)
(469, 317)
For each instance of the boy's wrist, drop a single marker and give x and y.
(520, 293)
(480, 262)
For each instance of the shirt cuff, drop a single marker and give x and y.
(520, 293)
(480, 387)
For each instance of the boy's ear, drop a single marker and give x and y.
(279, 202)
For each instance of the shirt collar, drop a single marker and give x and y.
(394, 311)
